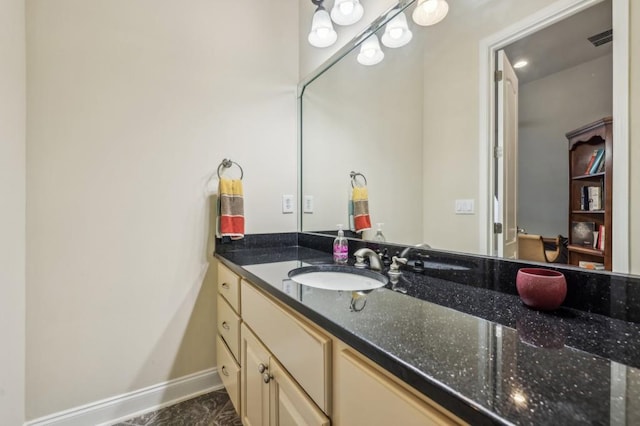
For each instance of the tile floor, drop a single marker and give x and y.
(211, 409)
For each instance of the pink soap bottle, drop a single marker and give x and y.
(340, 248)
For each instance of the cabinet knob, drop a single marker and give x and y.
(225, 325)
(224, 371)
(262, 368)
(266, 377)
(225, 286)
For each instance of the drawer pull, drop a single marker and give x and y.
(225, 286)
(262, 368)
(225, 325)
(266, 377)
(224, 371)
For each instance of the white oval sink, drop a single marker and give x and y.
(338, 277)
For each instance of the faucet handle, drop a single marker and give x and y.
(374, 260)
(360, 262)
(395, 263)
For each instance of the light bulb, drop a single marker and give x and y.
(370, 52)
(430, 12)
(429, 6)
(322, 33)
(346, 8)
(346, 12)
(395, 33)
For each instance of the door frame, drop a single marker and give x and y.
(487, 50)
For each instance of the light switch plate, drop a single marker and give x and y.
(307, 205)
(465, 206)
(287, 203)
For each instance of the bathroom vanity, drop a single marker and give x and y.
(291, 371)
(452, 347)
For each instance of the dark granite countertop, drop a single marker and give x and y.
(480, 353)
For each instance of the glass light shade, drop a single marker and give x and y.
(370, 52)
(396, 32)
(322, 33)
(430, 12)
(347, 12)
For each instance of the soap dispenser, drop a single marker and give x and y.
(379, 237)
(340, 247)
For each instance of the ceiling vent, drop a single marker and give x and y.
(601, 38)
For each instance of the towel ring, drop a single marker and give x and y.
(227, 163)
(354, 176)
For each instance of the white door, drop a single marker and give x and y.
(507, 158)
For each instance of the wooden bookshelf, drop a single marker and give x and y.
(583, 142)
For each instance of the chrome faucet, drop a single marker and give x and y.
(406, 251)
(374, 260)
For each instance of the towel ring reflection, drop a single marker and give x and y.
(354, 176)
(227, 163)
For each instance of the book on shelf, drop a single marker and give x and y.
(598, 266)
(590, 198)
(582, 233)
(601, 233)
(592, 160)
(595, 198)
(598, 160)
(584, 198)
(601, 165)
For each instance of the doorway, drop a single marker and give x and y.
(542, 207)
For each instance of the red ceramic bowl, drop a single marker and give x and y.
(541, 288)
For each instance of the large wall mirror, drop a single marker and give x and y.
(413, 124)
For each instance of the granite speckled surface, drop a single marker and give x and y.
(469, 343)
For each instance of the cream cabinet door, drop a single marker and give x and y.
(365, 396)
(254, 403)
(301, 348)
(290, 405)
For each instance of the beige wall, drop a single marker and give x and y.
(451, 119)
(634, 137)
(340, 108)
(132, 106)
(12, 211)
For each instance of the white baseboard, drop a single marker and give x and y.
(132, 404)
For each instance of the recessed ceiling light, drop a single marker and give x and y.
(521, 64)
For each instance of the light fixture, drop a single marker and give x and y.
(370, 52)
(347, 12)
(521, 64)
(430, 12)
(396, 32)
(322, 33)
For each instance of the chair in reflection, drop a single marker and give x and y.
(532, 247)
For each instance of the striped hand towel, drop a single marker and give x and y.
(230, 209)
(361, 220)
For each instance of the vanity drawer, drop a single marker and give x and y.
(229, 286)
(303, 350)
(229, 326)
(229, 372)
